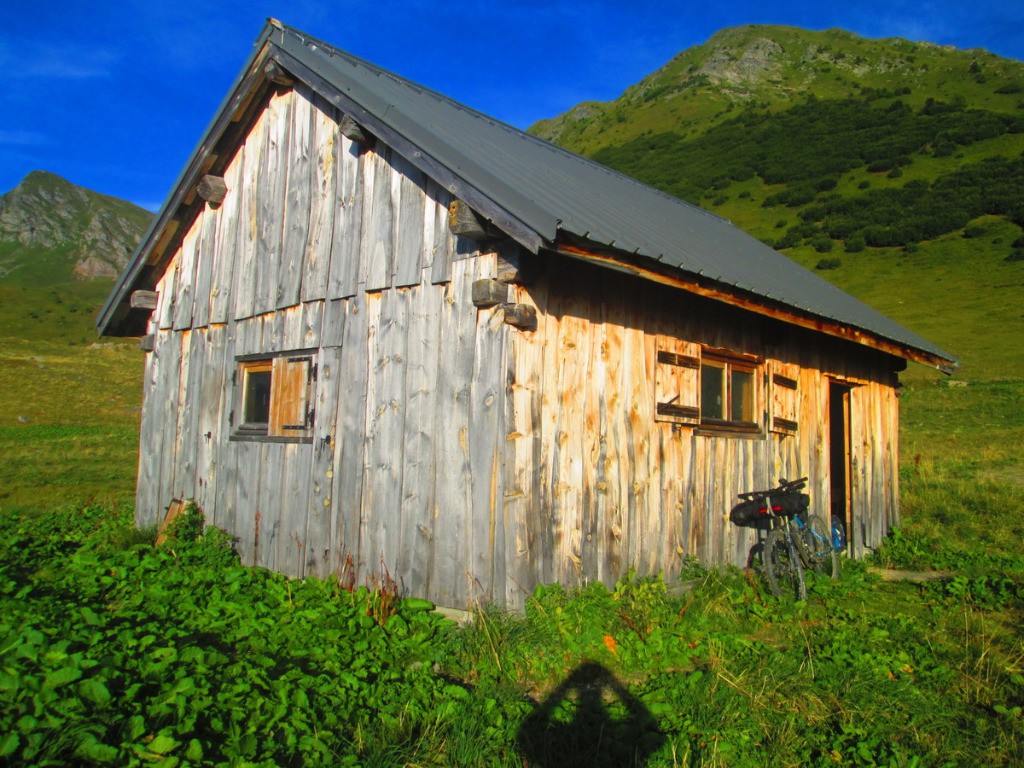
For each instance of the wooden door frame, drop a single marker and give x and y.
(845, 389)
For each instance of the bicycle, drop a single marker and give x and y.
(796, 540)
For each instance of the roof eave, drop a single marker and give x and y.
(113, 317)
(378, 120)
(744, 300)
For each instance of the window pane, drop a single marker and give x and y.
(742, 404)
(257, 397)
(712, 391)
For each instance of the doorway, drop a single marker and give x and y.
(839, 457)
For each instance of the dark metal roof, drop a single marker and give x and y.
(539, 193)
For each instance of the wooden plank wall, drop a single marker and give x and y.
(595, 485)
(323, 244)
(462, 464)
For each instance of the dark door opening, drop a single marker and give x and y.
(839, 456)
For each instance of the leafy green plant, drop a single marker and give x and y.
(116, 652)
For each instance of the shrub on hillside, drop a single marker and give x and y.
(822, 243)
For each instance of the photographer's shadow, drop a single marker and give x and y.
(589, 720)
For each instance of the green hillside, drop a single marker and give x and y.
(52, 231)
(771, 67)
(894, 168)
(69, 402)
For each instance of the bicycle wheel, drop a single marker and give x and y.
(782, 565)
(821, 555)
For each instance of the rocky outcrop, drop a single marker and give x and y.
(45, 212)
(751, 65)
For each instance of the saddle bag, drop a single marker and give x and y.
(754, 512)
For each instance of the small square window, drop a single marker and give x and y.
(274, 397)
(707, 387)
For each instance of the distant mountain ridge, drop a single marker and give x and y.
(771, 67)
(895, 168)
(52, 230)
(821, 139)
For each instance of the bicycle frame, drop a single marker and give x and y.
(823, 546)
(797, 539)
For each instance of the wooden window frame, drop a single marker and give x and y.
(728, 361)
(680, 367)
(244, 376)
(290, 413)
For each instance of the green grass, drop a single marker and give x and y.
(47, 464)
(61, 312)
(958, 294)
(69, 402)
(113, 651)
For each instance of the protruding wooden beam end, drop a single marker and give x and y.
(489, 293)
(212, 189)
(143, 300)
(522, 316)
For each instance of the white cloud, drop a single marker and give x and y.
(22, 138)
(44, 60)
(67, 70)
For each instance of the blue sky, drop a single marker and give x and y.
(113, 96)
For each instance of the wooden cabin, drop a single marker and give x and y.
(385, 333)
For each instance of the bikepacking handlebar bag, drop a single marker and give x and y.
(791, 504)
(754, 512)
(748, 513)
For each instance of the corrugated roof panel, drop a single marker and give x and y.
(551, 189)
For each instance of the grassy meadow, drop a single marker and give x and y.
(114, 651)
(69, 402)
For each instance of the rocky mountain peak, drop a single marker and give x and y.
(96, 233)
(754, 62)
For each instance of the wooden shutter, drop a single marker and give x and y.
(677, 382)
(289, 397)
(784, 405)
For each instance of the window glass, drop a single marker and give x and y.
(712, 391)
(742, 395)
(257, 397)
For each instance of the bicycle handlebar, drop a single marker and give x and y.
(785, 486)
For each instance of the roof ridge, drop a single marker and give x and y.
(548, 146)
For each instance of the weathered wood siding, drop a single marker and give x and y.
(322, 244)
(464, 458)
(595, 485)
